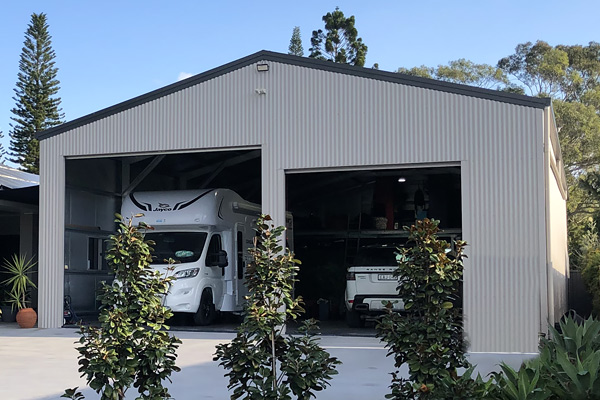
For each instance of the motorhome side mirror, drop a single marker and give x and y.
(218, 259)
(222, 259)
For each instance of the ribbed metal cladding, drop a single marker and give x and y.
(314, 119)
(218, 113)
(51, 242)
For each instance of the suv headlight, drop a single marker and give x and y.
(187, 273)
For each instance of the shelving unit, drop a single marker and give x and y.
(353, 237)
(371, 233)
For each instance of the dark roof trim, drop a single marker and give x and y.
(264, 55)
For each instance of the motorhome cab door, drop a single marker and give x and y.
(212, 272)
(242, 260)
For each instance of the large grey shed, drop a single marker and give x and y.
(306, 115)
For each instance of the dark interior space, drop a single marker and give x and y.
(238, 170)
(9, 245)
(336, 213)
(19, 236)
(94, 191)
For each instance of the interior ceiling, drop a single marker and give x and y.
(240, 170)
(310, 185)
(189, 163)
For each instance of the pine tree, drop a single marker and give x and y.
(340, 42)
(37, 107)
(2, 149)
(296, 48)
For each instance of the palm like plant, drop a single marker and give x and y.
(18, 268)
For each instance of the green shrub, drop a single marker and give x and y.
(132, 347)
(465, 387)
(429, 336)
(263, 363)
(590, 273)
(523, 384)
(567, 367)
(19, 282)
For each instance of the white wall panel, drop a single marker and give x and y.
(312, 118)
(558, 266)
(556, 229)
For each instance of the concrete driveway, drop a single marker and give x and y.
(38, 364)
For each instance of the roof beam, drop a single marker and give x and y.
(220, 166)
(138, 179)
(212, 176)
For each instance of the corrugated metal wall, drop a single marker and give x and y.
(52, 231)
(311, 118)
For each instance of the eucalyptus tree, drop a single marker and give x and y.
(570, 75)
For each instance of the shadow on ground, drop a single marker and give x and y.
(228, 323)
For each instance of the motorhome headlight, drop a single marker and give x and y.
(187, 273)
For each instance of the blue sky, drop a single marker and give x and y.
(110, 51)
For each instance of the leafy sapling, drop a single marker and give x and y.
(132, 346)
(429, 336)
(262, 362)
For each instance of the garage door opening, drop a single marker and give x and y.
(95, 188)
(336, 214)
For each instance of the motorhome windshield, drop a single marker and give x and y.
(182, 247)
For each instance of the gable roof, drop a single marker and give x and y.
(264, 55)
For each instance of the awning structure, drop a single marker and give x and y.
(24, 199)
(19, 190)
(19, 204)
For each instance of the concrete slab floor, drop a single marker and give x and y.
(39, 364)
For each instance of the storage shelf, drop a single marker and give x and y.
(366, 234)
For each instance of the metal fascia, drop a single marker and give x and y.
(264, 55)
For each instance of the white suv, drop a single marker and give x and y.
(370, 282)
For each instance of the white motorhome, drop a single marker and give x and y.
(208, 233)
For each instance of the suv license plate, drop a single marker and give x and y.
(386, 277)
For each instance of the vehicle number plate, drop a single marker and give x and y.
(386, 277)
